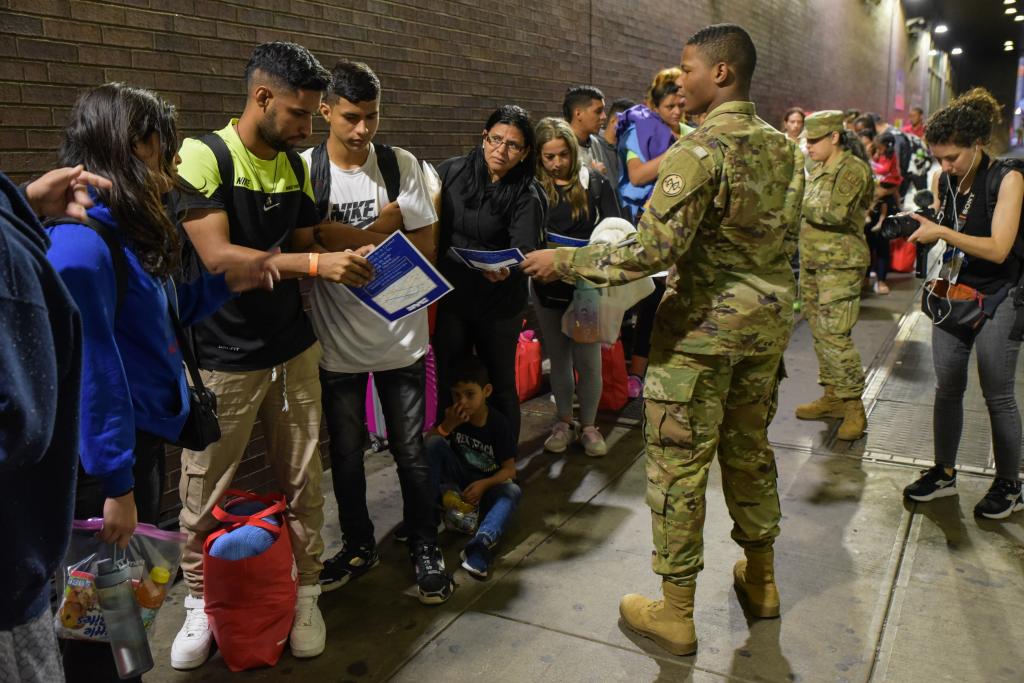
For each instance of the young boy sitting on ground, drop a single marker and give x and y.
(472, 452)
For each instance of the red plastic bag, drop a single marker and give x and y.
(614, 381)
(528, 365)
(902, 255)
(251, 602)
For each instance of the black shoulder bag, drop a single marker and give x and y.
(201, 427)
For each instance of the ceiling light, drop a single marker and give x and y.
(933, 52)
(1019, 17)
(1009, 2)
(941, 28)
(1008, 48)
(1011, 10)
(956, 51)
(1007, 42)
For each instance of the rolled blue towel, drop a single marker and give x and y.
(245, 541)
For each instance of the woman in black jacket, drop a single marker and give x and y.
(489, 201)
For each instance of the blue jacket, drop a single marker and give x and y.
(132, 371)
(40, 365)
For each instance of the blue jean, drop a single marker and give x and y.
(450, 472)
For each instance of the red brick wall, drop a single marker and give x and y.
(444, 64)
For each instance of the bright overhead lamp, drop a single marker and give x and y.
(1011, 10)
(932, 52)
(1019, 17)
(1007, 42)
(941, 28)
(1009, 2)
(956, 51)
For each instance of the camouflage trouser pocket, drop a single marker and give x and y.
(670, 450)
(838, 316)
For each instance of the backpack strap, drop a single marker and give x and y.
(996, 173)
(320, 177)
(226, 168)
(114, 246)
(298, 167)
(387, 162)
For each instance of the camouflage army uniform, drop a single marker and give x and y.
(833, 256)
(725, 213)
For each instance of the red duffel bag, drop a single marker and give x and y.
(250, 602)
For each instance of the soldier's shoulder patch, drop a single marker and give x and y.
(681, 174)
(849, 181)
(672, 184)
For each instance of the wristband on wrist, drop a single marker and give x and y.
(441, 430)
(314, 261)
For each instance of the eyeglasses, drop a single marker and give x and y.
(498, 141)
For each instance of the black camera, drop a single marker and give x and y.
(903, 224)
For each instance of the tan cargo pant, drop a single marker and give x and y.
(293, 455)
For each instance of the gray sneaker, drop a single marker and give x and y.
(562, 434)
(593, 443)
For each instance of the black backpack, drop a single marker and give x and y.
(117, 256)
(996, 173)
(320, 175)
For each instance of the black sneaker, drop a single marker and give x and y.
(1002, 499)
(434, 583)
(933, 483)
(347, 565)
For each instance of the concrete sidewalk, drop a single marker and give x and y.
(873, 589)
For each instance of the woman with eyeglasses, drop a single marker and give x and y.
(489, 201)
(978, 200)
(645, 134)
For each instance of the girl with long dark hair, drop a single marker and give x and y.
(489, 201)
(978, 199)
(134, 393)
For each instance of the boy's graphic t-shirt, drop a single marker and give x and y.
(354, 339)
(484, 448)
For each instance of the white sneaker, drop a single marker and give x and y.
(593, 442)
(192, 644)
(309, 632)
(562, 434)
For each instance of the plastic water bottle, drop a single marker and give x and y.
(124, 622)
(458, 514)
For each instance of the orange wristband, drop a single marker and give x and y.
(441, 431)
(314, 261)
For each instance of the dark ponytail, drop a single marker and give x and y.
(849, 141)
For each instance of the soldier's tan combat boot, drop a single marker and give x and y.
(755, 581)
(854, 420)
(668, 622)
(828, 405)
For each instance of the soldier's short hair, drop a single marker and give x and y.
(729, 43)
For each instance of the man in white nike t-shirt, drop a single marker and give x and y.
(375, 190)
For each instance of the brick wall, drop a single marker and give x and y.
(444, 64)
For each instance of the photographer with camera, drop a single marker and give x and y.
(979, 215)
(833, 256)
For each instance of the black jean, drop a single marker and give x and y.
(457, 334)
(85, 661)
(401, 395)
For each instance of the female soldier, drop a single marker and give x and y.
(979, 201)
(833, 255)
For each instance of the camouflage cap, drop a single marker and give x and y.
(821, 123)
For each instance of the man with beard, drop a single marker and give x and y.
(246, 190)
(725, 213)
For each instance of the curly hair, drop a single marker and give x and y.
(964, 121)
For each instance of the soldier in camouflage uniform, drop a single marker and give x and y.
(833, 256)
(724, 214)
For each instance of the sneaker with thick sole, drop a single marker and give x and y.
(309, 633)
(191, 647)
(1001, 501)
(593, 443)
(434, 583)
(933, 483)
(350, 563)
(562, 434)
(476, 558)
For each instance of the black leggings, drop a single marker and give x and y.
(86, 661)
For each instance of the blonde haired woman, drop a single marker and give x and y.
(577, 201)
